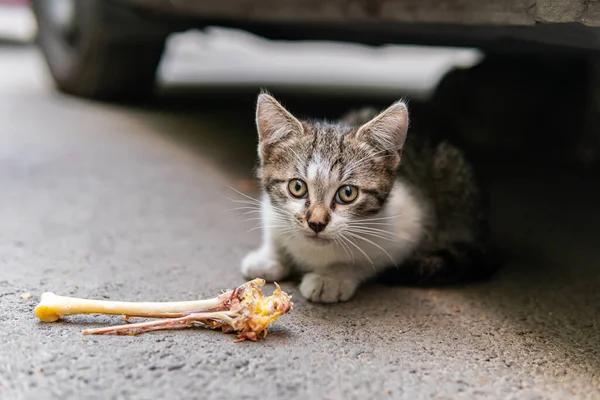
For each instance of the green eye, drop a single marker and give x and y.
(346, 194)
(297, 188)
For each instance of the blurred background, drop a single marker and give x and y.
(220, 56)
(484, 71)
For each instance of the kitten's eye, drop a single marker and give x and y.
(297, 188)
(346, 194)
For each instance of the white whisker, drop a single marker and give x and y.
(252, 219)
(253, 212)
(256, 201)
(377, 219)
(259, 203)
(284, 222)
(360, 223)
(392, 236)
(372, 229)
(288, 234)
(239, 208)
(359, 249)
(272, 220)
(389, 239)
(344, 246)
(242, 194)
(376, 245)
(283, 227)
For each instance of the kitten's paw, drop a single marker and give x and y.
(261, 264)
(327, 289)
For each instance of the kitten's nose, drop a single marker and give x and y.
(316, 226)
(318, 218)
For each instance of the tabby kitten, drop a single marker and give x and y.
(342, 202)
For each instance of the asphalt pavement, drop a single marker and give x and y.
(133, 203)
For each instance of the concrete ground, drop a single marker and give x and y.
(108, 201)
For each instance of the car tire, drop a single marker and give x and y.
(98, 50)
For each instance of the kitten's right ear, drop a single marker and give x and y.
(274, 122)
(387, 131)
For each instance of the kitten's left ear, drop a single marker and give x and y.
(273, 121)
(387, 131)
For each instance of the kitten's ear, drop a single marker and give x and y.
(274, 122)
(387, 131)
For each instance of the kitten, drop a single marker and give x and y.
(342, 202)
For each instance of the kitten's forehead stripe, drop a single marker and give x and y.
(318, 177)
(311, 172)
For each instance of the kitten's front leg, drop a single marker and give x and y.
(330, 285)
(264, 263)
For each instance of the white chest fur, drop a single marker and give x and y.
(401, 223)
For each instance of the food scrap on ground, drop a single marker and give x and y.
(243, 310)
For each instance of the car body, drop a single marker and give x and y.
(569, 24)
(111, 48)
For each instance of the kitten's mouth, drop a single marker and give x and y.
(318, 239)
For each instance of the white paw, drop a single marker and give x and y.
(327, 289)
(262, 264)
